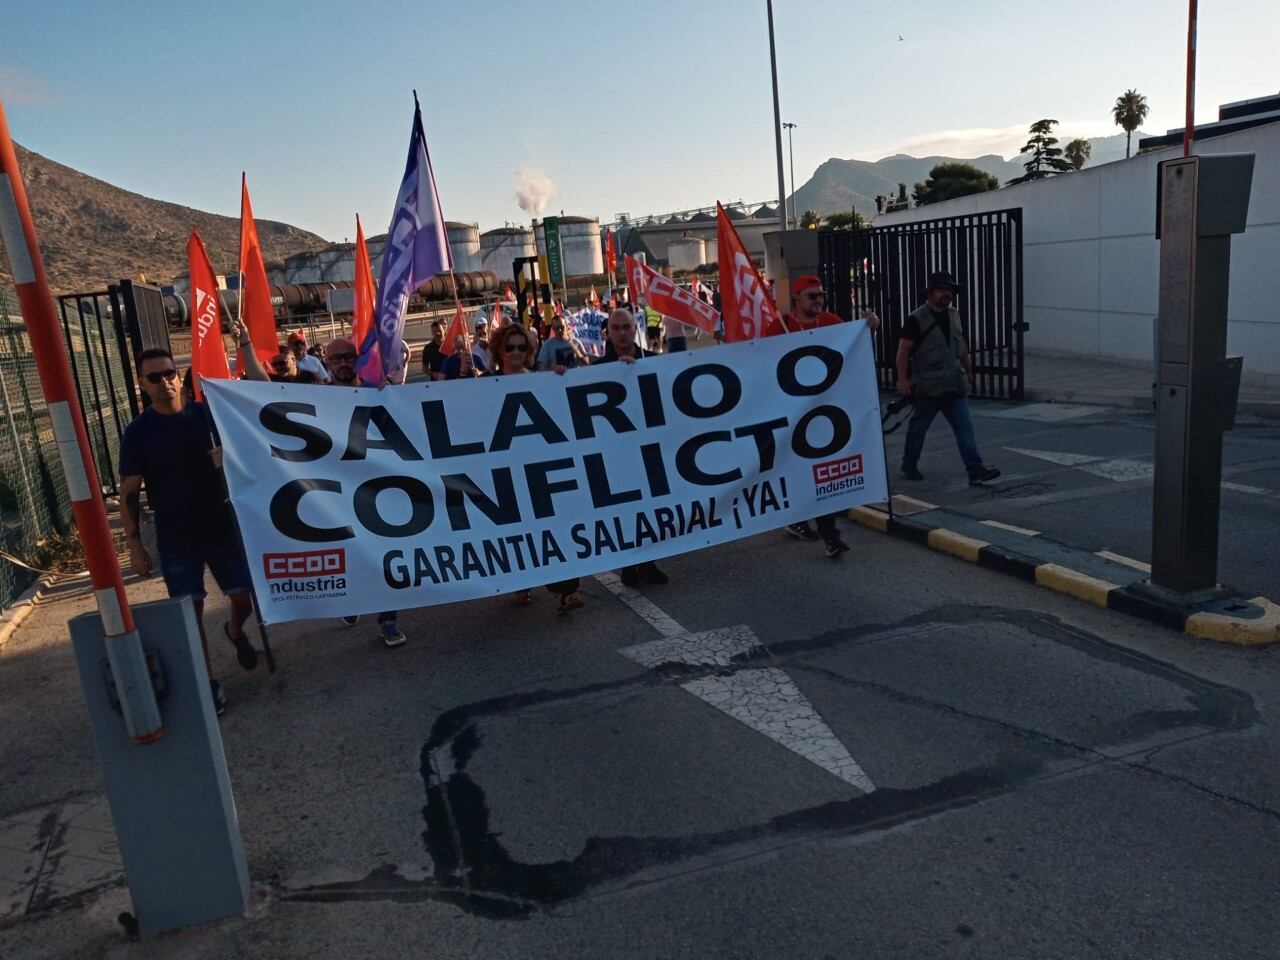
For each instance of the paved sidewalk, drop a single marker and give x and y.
(1068, 378)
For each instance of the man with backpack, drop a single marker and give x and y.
(934, 370)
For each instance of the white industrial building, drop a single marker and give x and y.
(1091, 260)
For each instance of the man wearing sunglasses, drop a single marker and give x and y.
(808, 312)
(169, 448)
(341, 356)
(284, 368)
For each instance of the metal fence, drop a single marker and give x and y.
(34, 503)
(887, 268)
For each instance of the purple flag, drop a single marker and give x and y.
(417, 249)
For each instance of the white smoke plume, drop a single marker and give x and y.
(533, 190)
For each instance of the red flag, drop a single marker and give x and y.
(457, 328)
(635, 278)
(671, 300)
(595, 297)
(499, 318)
(610, 258)
(255, 295)
(749, 312)
(208, 352)
(365, 292)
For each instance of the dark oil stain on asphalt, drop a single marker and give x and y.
(475, 872)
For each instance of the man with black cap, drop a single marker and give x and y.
(934, 370)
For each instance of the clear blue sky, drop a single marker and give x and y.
(638, 107)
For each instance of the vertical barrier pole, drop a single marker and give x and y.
(124, 649)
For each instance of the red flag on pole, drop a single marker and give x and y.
(674, 301)
(457, 328)
(208, 352)
(610, 258)
(635, 278)
(748, 310)
(595, 297)
(499, 318)
(365, 292)
(255, 295)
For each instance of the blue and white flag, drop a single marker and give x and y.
(417, 249)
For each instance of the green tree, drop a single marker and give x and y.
(809, 220)
(1046, 156)
(1129, 111)
(950, 180)
(1078, 152)
(852, 220)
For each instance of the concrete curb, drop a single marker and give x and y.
(1103, 579)
(11, 617)
(1246, 406)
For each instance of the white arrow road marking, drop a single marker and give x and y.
(1063, 459)
(765, 699)
(1117, 469)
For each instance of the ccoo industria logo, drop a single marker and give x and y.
(833, 477)
(306, 575)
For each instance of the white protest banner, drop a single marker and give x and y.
(360, 500)
(587, 327)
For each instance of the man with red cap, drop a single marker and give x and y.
(808, 313)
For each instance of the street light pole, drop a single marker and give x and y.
(791, 153)
(777, 122)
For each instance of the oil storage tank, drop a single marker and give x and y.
(579, 245)
(464, 244)
(687, 253)
(500, 246)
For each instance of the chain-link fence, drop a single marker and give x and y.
(34, 504)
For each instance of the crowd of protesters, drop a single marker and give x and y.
(172, 449)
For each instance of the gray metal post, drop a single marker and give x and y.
(1201, 201)
(171, 802)
(777, 123)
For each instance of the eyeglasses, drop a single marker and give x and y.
(816, 296)
(516, 348)
(162, 375)
(340, 357)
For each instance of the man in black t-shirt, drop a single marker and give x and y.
(284, 368)
(432, 358)
(169, 448)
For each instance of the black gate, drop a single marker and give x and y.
(886, 269)
(105, 330)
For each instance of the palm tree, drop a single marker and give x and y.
(1078, 152)
(809, 220)
(1129, 112)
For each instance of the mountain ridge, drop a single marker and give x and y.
(838, 184)
(93, 233)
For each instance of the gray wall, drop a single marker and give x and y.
(1092, 261)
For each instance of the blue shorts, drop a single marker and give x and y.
(184, 569)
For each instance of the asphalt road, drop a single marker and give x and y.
(1082, 475)
(897, 754)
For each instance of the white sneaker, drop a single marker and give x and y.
(391, 634)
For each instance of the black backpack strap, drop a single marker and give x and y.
(916, 346)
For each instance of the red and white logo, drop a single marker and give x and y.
(308, 563)
(831, 470)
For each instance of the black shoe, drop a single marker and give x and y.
(650, 573)
(911, 473)
(246, 656)
(219, 698)
(835, 547)
(629, 577)
(801, 531)
(982, 475)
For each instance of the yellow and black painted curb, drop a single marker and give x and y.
(1103, 578)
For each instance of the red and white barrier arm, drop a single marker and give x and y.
(18, 232)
